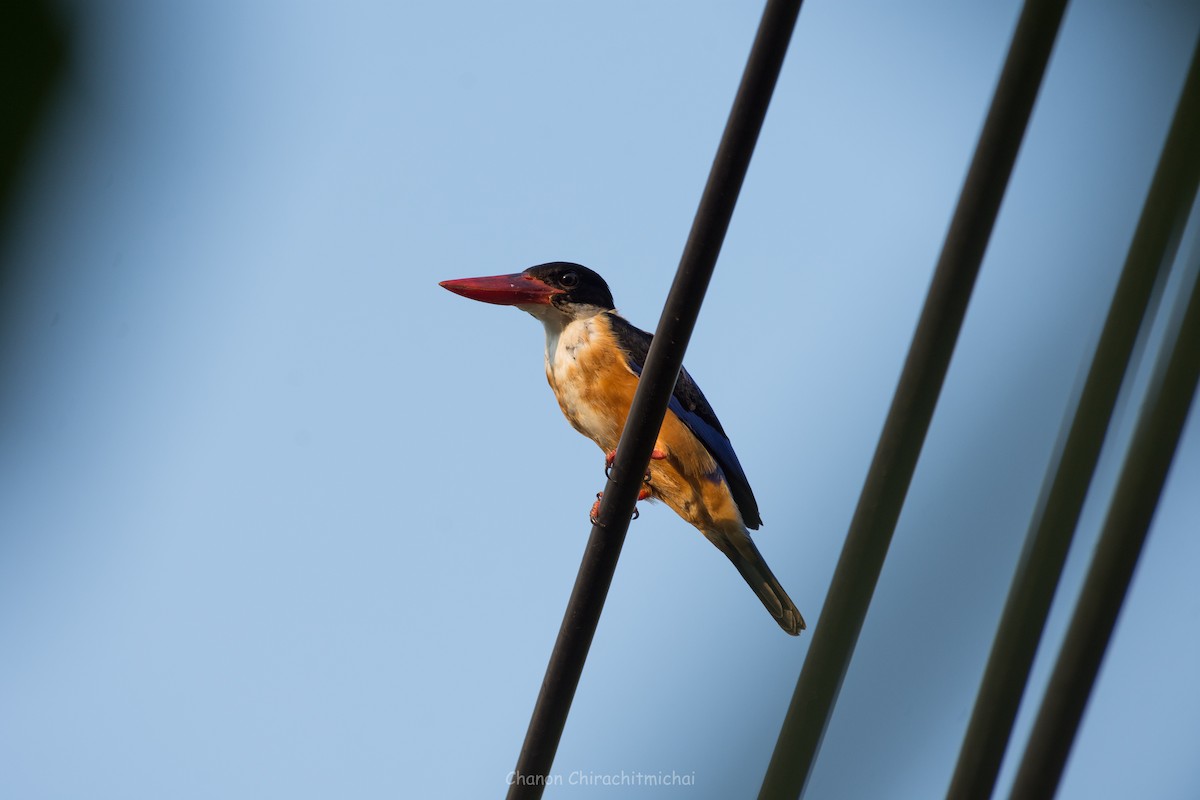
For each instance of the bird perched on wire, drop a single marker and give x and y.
(593, 361)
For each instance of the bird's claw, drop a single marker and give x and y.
(611, 456)
(595, 515)
(643, 493)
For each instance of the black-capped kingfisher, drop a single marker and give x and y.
(593, 361)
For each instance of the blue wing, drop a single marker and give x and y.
(689, 404)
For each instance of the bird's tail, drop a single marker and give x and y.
(740, 549)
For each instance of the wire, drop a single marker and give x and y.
(1155, 242)
(1139, 487)
(649, 406)
(895, 459)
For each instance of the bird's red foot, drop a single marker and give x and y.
(655, 455)
(643, 493)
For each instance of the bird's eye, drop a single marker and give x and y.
(569, 280)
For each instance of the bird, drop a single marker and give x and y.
(594, 359)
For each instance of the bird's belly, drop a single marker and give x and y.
(686, 478)
(591, 381)
(690, 483)
(594, 388)
(595, 409)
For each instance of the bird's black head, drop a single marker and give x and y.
(574, 285)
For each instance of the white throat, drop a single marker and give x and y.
(565, 333)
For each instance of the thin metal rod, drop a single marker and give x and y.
(661, 370)
(1155, 242)
(904, 430)
(1159, 426)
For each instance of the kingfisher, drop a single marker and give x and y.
(594, 358)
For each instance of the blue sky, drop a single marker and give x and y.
(280, 517)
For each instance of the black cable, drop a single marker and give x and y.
(1159, 426)
(888, 478)
(649, 407)
(1155, 241)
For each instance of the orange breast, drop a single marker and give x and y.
(594, 387)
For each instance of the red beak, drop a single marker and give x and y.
(503, 290)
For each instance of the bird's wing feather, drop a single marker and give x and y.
(689, 404)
